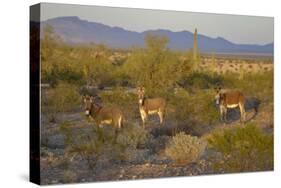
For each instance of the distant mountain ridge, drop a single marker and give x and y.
(74, 30)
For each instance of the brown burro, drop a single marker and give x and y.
(230, 99)
(103, 115)
(149, 106)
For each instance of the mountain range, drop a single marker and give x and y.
(74, 30)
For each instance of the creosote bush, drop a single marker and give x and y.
(185, 149)
(63, 98)
(129, 140)
(103, 144)
(198, 107)
(88, 145)
(126, 101)
(133, 137)
(201, 80)
(243, 149)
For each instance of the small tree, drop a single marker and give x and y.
(153, 67)
(49, 42)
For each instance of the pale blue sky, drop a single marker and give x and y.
(235, 28)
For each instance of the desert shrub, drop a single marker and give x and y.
(88, 145)
(155, 67)
(89, 149)
(203, 107)
(179, 105)
(50, 42)
(69, 176)
(121, 77)
(85, 64)
(99, 72)
(198, 107)
(201, 80)
(48, 74)
(129, 141)
(125, 100)
(102, 145)
(258, 85)
(55, 72)
(133, 137)
(63, 98)
(68, 73)
(243, 149)
(119, 96)
(56, 64)
(185, 149)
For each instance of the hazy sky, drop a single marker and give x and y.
(237, 29)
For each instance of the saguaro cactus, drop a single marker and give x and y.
(195, 46)
(195, 52)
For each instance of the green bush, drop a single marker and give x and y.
(201, 80)
(119, 96)
(203, 107)
(103, 144)
(129, 141)
(63, 98)
(126, 101)
(179, 104)
(198, 107)
(99, 72)
(243, 149)
(185, 149)
(75, 65)
(155, 67)
(133, 137)
(259, 85)
(88, 145)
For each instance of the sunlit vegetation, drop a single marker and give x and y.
(191, 113)
(242, 150)
(184, 149)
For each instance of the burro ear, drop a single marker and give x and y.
(143, 89)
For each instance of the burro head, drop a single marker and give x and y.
(88, 104)
(141, 92)
(217, 95)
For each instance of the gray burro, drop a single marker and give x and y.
(149, 106)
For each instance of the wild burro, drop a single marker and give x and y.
(103, 115)
(230, 99)
(149, 106)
